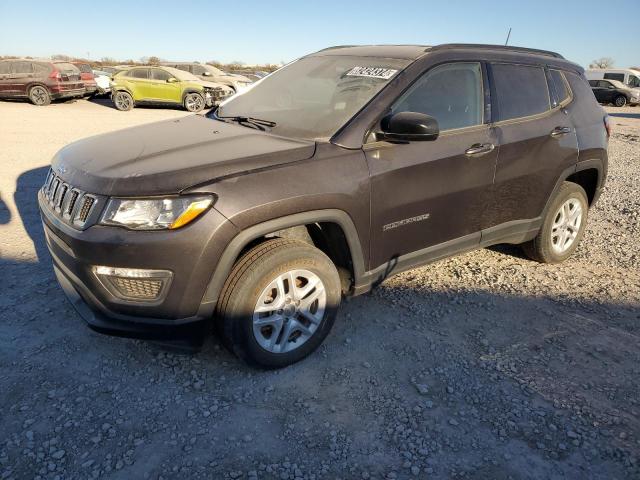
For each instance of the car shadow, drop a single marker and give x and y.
(5, 213)
(625, 115)
(107, 103)
(26, 201)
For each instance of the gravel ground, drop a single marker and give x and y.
(483, 366)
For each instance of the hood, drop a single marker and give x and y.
(208, 84)
(238, 78)
(170, 156)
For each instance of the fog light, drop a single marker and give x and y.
(134, 284)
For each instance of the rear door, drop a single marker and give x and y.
(537, 142)
(138, 83)
(607, 91)
(5, 69)
(20, 75)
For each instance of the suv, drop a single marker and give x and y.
(329, 175)
(39, 80)
(613, 91)
(208, 72)
(165, 86)
(88, 78)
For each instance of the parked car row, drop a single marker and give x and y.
(191, 85)
(619, 87)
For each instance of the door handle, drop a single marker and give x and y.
(560, 131)
(479, 149)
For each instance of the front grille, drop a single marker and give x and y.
(136, 288)
(68, 202)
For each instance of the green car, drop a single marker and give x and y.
(164, 86)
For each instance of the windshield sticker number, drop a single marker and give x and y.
(372, 72)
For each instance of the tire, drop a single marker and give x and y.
(194, 102)
(122, 100)
(284, 334)
(39, 95)
(620, 101)
(563, 226)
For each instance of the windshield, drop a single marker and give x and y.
(181, 74)
(314, 96)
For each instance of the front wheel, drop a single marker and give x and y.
(123, 101)
(279, 303)
(620, 101)
(194, 102)
(563, 226)
(39, 96)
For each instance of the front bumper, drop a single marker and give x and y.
(189, 253)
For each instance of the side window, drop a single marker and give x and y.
(41, 68)
(198, 69)
(452, 94)
(4, 68)
(604, 84)
(21, 67)
(157, 74)
(560, 86)
(521, 90)
(593, 83)
(614, 76)
(182, 67)
(138, 73)
(634, 82)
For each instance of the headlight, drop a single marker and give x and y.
(155, 213)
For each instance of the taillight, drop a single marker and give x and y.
(607, 125)
(55, 75)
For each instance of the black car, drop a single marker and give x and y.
(327, 176)
(615, 92)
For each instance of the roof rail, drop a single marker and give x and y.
(535, 51)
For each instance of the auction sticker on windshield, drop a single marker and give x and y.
(372, 72)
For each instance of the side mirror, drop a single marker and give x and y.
(207, 74)
(172, 80)
(409, 127)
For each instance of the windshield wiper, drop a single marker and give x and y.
(249, 121)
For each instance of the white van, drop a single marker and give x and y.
(627, 76)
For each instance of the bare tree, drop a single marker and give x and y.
(61, 57)
(604, 62)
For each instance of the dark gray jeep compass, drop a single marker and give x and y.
(329, 175)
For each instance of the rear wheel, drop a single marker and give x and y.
(620, 101)
(123, 101)
(563, 226)
(279, 303)
(39, 95)
(194, 102)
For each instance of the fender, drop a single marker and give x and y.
(191, 90)
(231, 253)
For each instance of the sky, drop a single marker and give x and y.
(275, 31)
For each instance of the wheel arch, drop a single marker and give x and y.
(289, 226)
(189, 90)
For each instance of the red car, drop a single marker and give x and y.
(86, 74)
(39, 80)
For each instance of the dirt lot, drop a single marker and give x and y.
(483, 366)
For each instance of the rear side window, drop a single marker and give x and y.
(138, 73)
(41, 68)
(603, 84)
(615, 76)
(182, 67)
(21, 67)
(4, 68)
(521, 90)
(593, 83)
(198, 69)
(560, 86)
(452, 94)
(157, 74)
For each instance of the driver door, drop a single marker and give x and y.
(428, 198)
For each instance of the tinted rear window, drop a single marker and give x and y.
(593, 83)
(66, 67)
(138, 73)
(521, 89)
(614, 76)
(560, 86)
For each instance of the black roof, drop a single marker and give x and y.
(412, 52)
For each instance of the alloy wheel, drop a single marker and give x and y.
(39, 95)
(123, 101)
(194, 103)
(566, 225)
(289, 311)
